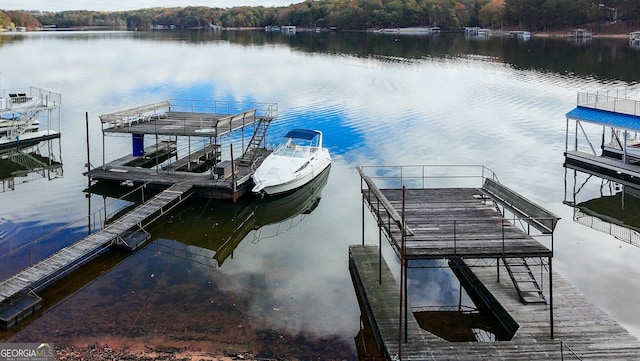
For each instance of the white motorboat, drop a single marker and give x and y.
(295, 162)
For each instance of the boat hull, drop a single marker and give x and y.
(297, 182)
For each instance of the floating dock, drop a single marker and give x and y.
(19, 309)
(613, 147)
(499, 245)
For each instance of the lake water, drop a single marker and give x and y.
(283, 288)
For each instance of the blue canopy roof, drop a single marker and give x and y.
(306, 134)
(605, 117)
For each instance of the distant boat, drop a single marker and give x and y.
(622, 144)
(295, 162)
(19, 113)
(13, 122)
(413, 30)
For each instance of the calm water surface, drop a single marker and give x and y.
(379, 100)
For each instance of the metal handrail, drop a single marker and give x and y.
(563, 346)
(619, 101)
(428, 176)
(223, 107)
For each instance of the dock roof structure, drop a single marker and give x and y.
(176, 118)
(606, 117)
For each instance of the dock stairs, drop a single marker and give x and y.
(527, 286)
(259, 133)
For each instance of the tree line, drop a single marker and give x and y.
(533, 15)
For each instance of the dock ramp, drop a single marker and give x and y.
(69, 258)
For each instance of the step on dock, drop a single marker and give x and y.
(19, 309)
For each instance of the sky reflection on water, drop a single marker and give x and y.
(373, 110)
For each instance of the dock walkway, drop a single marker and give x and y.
(60, 263)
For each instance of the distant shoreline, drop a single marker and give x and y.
(552, 34)
(564, 35)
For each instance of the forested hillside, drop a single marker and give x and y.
(533, 15)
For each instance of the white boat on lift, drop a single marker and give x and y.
(295, 162)
(25, 126)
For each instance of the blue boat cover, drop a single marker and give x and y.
(605, 117)
(306, 134)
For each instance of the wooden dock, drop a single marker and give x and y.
(606, 167)
(69, 258)
(492, 238)
(457, 222)
(582, 331)
(206, 185)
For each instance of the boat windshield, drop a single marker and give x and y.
(292, 149)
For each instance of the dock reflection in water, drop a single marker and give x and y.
(25, 164)
(176, 292)
(604, 203)
(217, 228)
(456, 313)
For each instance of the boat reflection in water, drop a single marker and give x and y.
(604, 203)
(211, 230)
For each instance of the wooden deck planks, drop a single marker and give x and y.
(68, 257)
(587, 330)
(211, 186)
(447, 222)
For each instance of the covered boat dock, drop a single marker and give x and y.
(605, 137)
(27, 118)
(187, 139)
